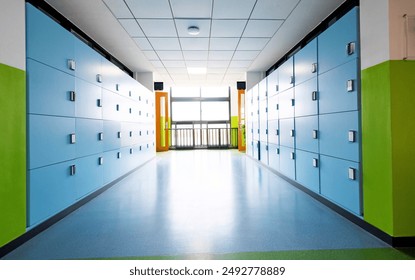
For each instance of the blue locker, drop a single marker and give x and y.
(51, 189)
(89, 174)
(340, 182)
(307, 134)
(48, 42)
(264, 131)
(339, 89)
(262, 89)
(287, 133)
(340, 42)
(308, 170)
(112, 165)
(113, 106)
(88, 63)
(287, 162)
(273, 107)
(46, 83)
(255, 130)
(305, 63)
(50, 140)
(286, 75)
(90, 137)
(264, 152)
(88, 100)
(306, 98)
(273, 132)
(286, 104)
(340, 135)
(272, 83)
(274, 156)
(112, 135)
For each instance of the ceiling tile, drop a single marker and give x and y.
(196, 63)
(150, 9)
(170, 55)
(180, 77)
(195, 44)
(174, 63)
(165, 44)
(223, 44)
(183, 24)
(235, 76)
(236, 70)
(240, 63)
(177, 70)
(227, 28)
(161, 70)
(271, 9)
(132, 28)
(118, 8)
(220, 55)
(232, 9)
(218, 64)
(262, 28)
(188, 9)
(245, 55)
(216, 70)
(158, 27)
(151, 55)
(195, 55)
(252, 44)
(215, 77)
(157, 64)
(143, 44)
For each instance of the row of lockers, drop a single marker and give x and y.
(57, 139)
(334, 178)
(52, 45)
(73, 97)
(55, 187)
(335, 135)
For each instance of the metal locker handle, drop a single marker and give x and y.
(352, 173)
(118, 107)
(131, 134)
(266, 147)
(100, 136)
(350, 48)
(277, 132)
(72, 170)
(99, 78)
(292, 102)
(276, 88)
(119, 155)
(315, 162)
(315, 134)
(72, 138)
(292, 132)
(292, 155)
(101, 161)
(71, 64)
(352, 136)
(314, 68)
(99, 102)
(119, 134)
(129, 93)
(277, 151)
(72, 96)
(266, 131)
(314, 95)
(350, 85)
(131, 111)
(266, 93)
(278, 107)
(117, 87)
(131, 151)
(292, 80)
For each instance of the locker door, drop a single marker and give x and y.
(88, 100)
(112, 135)
(89, 138)
(264, 152)
(308, 171)
(90, 172)
(306, 130)
(274, 156)
(88, 63)
(340, 135)
(306, 98)
(287, 162)
(273, 132)
(51, 140)
(286, 75)
(340, 182)
(112, 165)
(56, 93)
(287, 133)
(263, 131)
(272, 107)
(286, 104)
(339, 89)
(305, 63)
(272, 83)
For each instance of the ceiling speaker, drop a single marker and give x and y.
(241, 85)
(158, 85)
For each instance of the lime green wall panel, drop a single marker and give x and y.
(234, 121)
(12, 153)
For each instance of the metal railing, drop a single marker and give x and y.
(204, 138)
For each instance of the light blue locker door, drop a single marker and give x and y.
(255, 130)
(264, 152)
(51, 140)
(339, 43)
(264, 131)
(112, 135)
(89, 174)
(273, 132)
(308, 171)
(51, 189)
(262, 89)
(272, 107)
(286, 104)
(49, 90)
(272, 83)
(112, 165)
(286, 75)
(47, 41)
(287, 162)
(305, 63)
(338, 89)
(90, 137)
(340, 135)
(340, 182)
(287, 133)
(88, 100)
(109, 75)
(306, 134)
(88, 63)
(274, 156)
(306, 98)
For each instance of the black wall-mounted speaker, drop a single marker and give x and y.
(241, 85)
(158, 85)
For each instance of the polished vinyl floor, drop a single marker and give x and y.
(196, 202)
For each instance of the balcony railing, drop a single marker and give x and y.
(204, 138)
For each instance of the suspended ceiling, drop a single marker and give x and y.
(236, 36)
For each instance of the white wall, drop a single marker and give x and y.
(146, 79)
(397, 8)
(234, 101)
(12, 33)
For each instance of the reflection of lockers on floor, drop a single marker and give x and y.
(313, 115)
(88, 122)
